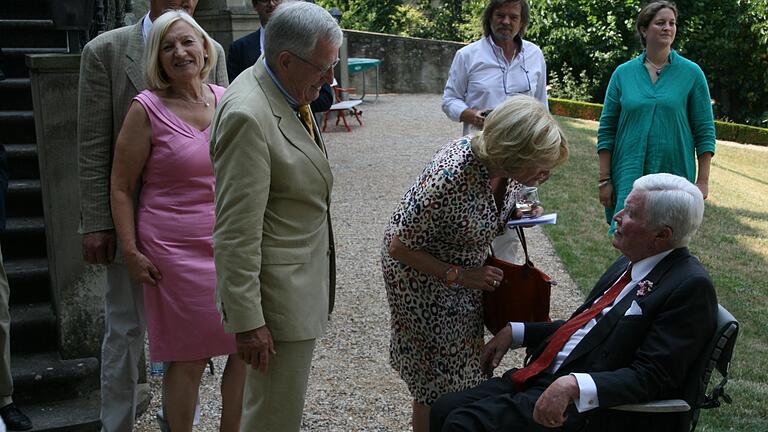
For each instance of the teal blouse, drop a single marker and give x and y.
(655, 128)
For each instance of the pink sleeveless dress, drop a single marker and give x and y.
(174, 224)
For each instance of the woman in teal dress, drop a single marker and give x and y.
(657, 116)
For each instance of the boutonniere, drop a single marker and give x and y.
(644, 287)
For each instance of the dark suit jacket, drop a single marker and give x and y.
(244, 52)
(644, 357)
(3, 185)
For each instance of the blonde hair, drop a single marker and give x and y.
(156, 76)
(519, 134)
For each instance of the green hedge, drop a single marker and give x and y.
(724, 131)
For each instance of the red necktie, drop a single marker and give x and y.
(560, 337)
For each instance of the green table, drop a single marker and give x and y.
(357, 64)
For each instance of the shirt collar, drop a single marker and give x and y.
(291, 101)
(261, 39)
(146, 27)
(499, 52)
(641, 268)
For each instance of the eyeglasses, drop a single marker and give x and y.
(519, 90)
(505, 69)
(323, 71)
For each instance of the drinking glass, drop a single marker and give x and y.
(527, 201)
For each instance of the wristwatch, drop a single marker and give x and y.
(452, 275)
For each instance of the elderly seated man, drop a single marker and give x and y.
(634, 339)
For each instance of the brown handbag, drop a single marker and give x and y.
(522, 296)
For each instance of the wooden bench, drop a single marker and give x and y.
(342, 107)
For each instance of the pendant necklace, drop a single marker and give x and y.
(657, 67)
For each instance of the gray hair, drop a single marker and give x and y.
(296, 27)
(671, 201)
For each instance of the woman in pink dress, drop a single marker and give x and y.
(167, 240)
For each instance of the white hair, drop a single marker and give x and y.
(296, 27)
(671, 201)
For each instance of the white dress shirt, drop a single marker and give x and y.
(146, 27)
(587, 389)
(480, 71)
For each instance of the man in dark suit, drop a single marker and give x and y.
(635, 339)
(12, 417)
(244, 52)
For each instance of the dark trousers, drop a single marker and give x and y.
(495, 405)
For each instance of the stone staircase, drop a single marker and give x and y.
(58, 394)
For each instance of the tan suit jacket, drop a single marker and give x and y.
(111, 74)
(273, 243)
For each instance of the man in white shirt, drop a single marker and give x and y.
(631, 341)
(484, 73)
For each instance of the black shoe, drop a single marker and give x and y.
(14, 419)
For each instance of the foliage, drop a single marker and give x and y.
(725, 131)
(731, 244)
(741, 133)
(584, 40)
(452, 20)
(562, 84)
(575, 109)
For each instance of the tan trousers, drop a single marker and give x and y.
(6, 381)
(121, 349)
(274, 402)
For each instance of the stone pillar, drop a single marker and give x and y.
(227, 20)
(77, 287)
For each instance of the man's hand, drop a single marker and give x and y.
(494, 351)
(255, 346)
(473, 117)
(551, 405)
(99, 247)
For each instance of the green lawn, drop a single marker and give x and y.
(732, 244)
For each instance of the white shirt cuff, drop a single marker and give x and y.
(518, 333)
(587, 393)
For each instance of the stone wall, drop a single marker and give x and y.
(409, 65)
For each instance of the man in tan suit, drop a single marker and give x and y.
(111, 74)
(273, 243)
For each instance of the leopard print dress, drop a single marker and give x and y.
(436, 330)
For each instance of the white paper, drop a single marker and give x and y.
(547, 219)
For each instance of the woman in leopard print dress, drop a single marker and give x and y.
(438, 238)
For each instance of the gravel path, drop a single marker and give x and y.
(352, 387)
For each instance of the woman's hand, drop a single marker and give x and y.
(703, 186)
(535, 212)
(605, 193)
(484, 278)
(141, 268)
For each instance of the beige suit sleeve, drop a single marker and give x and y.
(94, 139)
(242, 169)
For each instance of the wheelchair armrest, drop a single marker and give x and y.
(659, 406)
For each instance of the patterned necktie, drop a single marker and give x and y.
(560, 337)
(306, 117)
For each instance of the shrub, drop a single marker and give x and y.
(724, 131)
